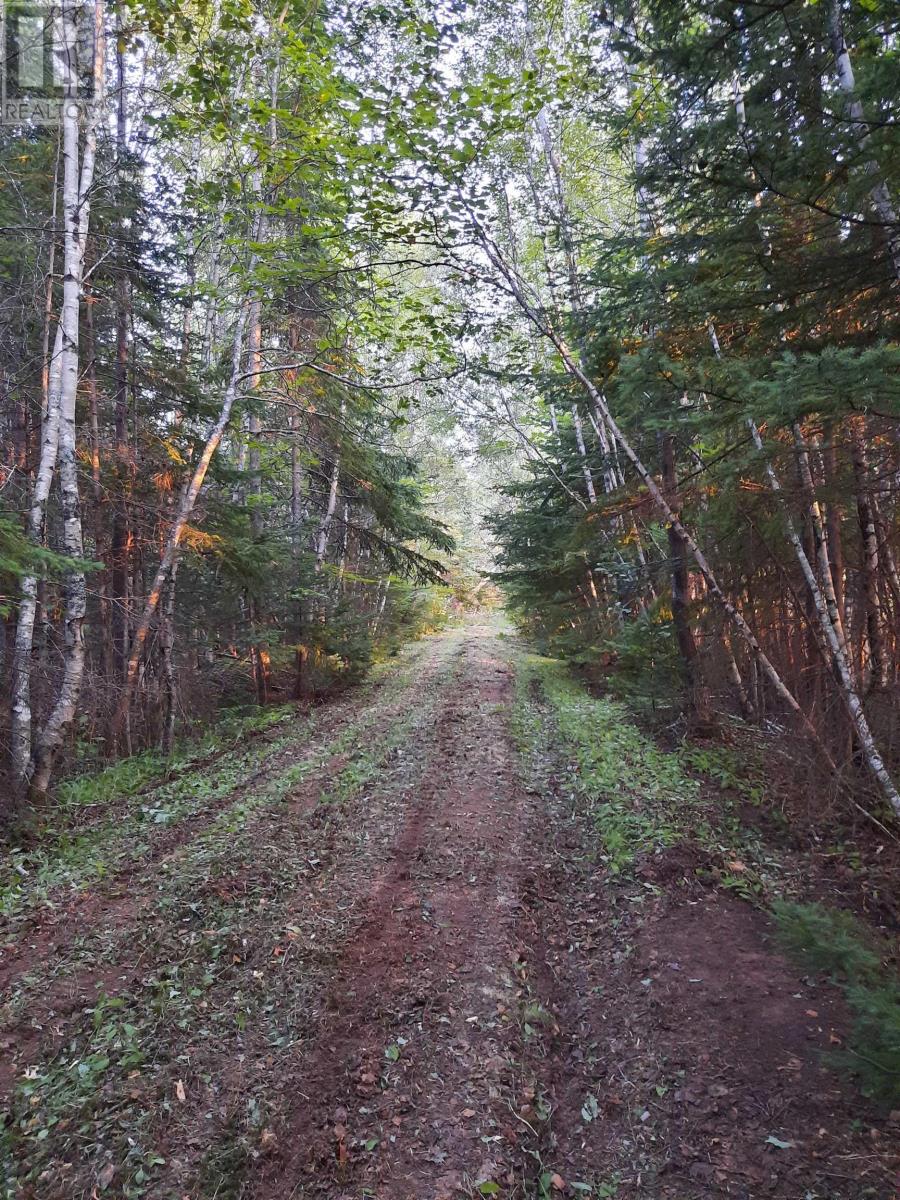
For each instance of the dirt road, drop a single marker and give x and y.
(379, 954)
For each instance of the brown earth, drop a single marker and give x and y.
(413, 980)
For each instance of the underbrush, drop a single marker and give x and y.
(130, 775)
(832, 942)
(640, 797)
(340, 653)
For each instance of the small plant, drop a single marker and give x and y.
(833, 942)
(740, 772)
(825, 940)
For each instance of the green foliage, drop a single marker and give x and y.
(832, 941)
(829, 940)
(412, 612)
(640, 797)
(18, 557)
(647, 670)
(738, 769)
(874, 1050)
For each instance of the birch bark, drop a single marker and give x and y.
(78, 178)
(185, 511)
(21, 715)
(822, 590)
(574, 368)
(882, 201)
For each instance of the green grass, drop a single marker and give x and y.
(104, 821)
(640, 798)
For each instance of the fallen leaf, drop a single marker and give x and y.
(557, 1182)
(180, 1092)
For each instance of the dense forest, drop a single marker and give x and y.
(286, 271)
(658, 244)
(450, 596)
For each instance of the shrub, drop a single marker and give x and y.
(832, 941)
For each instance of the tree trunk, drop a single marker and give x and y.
(582, 454)
(574, 368)
(882, 201)
(21, 716)
(185, 510)
(678, 570)
(830, 625)
(834, 518)
(120, 541)
(170, 676)
(77, 184)
(869, 535)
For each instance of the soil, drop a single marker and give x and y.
(448, 997)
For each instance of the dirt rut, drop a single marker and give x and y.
(396, 1092)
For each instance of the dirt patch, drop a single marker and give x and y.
(691, 1059)
(114, 903)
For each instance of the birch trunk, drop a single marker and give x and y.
(582, 454)
(574, 368)
(21, 715)
(825, 604)
(185, 511)
(882, 201)
(23, 642)
(820, 542)
(834, 519)
(832, 630)
(77, 183)
(328, 516)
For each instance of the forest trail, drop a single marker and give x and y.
(377, 955)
